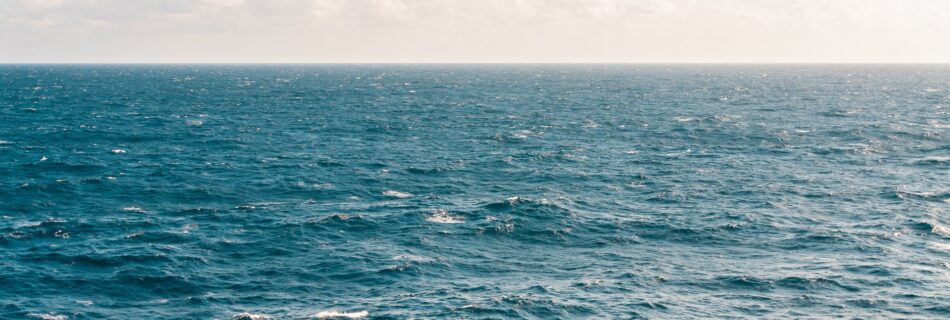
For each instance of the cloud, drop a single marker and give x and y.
(42, 4)
(479, 30)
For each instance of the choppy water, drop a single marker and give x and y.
(483, 192)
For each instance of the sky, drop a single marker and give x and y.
(480, 31)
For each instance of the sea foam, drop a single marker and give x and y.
(333, 314)
(397, 194)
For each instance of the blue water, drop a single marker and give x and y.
(474, 191)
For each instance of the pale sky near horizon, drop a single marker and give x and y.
(332, 31)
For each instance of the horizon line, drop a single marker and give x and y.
(476, 63)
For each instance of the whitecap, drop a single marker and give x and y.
(573, 157)
(677, 155)
(133, 209)
(631, 151)
(940, 246)
(931, 160)
(3, 142)
(941, 230)
(523, 134)
(118, 151)
(443, 216)
(934, 123)
(195, 122)
(333, 314)
(47, 316)
(250, 316)
(397, 194)
(84, 302)
(254, 205)
(937, 158)
(587, 282)
(726, 117)
(265, 203)
(410, 257)
(187, 228)
(319, 186)
(27, 224)
(43, 158)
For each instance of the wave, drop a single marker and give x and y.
(47, 316)
(943, 197)
(443, 216)
(251, 316)
(397, 194)
(930, 227)
(931, 160)
(344, 222)
(133, 209)
(812, 284)
(334, 314)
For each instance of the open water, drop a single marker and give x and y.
(474, 191)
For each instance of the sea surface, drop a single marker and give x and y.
(474, 191)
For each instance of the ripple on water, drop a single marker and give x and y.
(641, 191)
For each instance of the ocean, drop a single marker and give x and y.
(474, 191)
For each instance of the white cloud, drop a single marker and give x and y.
(475, 30)
(41, 4)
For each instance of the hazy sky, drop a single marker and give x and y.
(474, 30)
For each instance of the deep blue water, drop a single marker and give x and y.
(474, 191)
